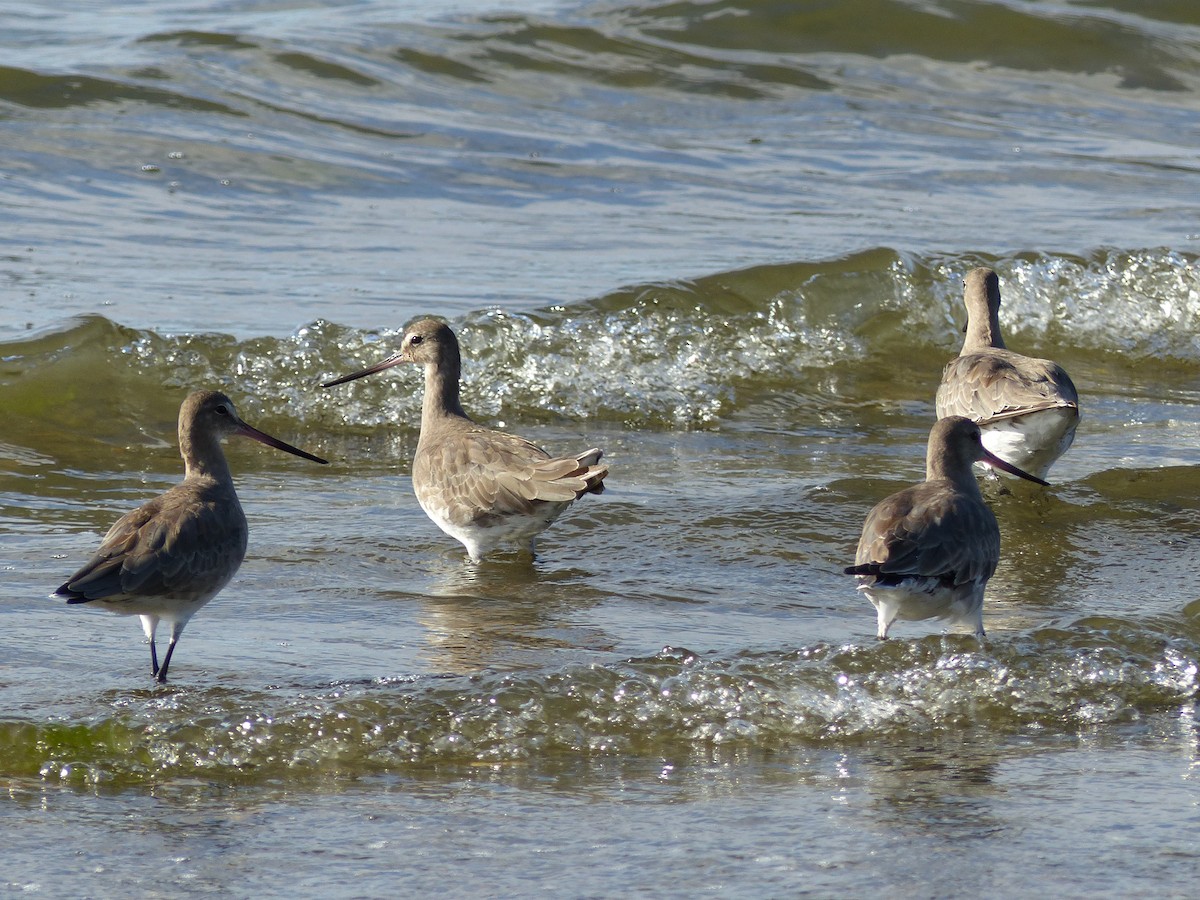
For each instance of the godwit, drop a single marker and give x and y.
(927, 552)
(1028, 408)
(482, 487)
(166, 559)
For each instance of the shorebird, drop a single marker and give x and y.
(927, 552)
(1028, 408)
(482, 487)
(169, 557)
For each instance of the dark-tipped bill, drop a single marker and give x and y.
(993, 460)
(369, 370)
(254, 434)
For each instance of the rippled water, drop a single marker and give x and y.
(725, 243)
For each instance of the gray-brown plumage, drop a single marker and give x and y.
(1028, 408)
(482, 487)
(928, 551)
(166, 559)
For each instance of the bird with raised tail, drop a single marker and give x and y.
(166, 559)
(927, 552)
(482, 487)
(1028, 408)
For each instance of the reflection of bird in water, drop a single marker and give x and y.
(508, 616)
(948, 787)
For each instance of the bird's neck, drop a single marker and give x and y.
(441, 394)
(204, 458)
(983, 332)
(961, 476)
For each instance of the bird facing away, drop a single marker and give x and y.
(927, 552)
(166, 559)
(1028, 408)
(482, 487)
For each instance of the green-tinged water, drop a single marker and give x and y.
(724, 243)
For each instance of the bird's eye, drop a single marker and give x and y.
(222, 410)
(416, 339)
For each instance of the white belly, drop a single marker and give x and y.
(922, 600)
(1034, 441)
(514, 529)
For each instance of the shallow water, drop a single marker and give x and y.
(724, 243)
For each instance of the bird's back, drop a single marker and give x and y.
(470, 474)
(932, 529)
(185, 544)
(991, 384)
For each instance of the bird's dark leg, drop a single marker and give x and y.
(153, 659)
(161, 674)
(177, 629)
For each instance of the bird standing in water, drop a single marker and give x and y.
(1028, 408)
(166, 559)
(480, 486)
(927, 552)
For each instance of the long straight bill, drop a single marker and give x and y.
(369, 370)
(255, 434)
(993, 460)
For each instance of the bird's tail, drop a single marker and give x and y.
(72, 596)
(592, 473)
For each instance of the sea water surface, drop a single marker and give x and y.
(724, 242)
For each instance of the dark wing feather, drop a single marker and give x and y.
(929, 530)
(183, 542)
